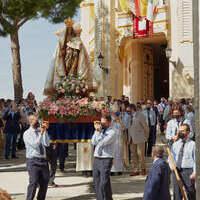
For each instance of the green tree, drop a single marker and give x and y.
(15, 13)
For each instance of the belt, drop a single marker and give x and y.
(38, 159)
(103, 158)
(184, 169)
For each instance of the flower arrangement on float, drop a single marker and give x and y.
(71, 86)
(71, 102)
(70, 108)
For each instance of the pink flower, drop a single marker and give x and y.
(63, 110)
(53, 109)
(83, 102)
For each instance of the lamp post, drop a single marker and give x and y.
(100, 60)
(168, 52)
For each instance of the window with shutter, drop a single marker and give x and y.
(185, 20)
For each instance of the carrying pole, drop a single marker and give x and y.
(184, 195)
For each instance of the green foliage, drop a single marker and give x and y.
(14, 13)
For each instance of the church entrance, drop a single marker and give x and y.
(161, 71)
(146, 68)
(156, 70)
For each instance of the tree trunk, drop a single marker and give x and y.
(16, 66)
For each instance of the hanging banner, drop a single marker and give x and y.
(142, 27)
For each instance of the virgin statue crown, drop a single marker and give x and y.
(69, 22)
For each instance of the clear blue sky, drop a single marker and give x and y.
(37, 45)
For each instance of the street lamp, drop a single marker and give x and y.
(100, 60)
(168, 52)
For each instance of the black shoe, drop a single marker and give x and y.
(112, 174)
(15, 157)
(6, 158)
(62, 170)
(119, 173)
(52, 185)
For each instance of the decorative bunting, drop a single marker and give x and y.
(142, 27)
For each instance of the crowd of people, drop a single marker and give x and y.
(14, 121)
(126, 132)
(176, 122)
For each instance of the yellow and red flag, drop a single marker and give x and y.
(146, 8)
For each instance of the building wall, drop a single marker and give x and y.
(181, 74)
(87, 23)
(113, 40)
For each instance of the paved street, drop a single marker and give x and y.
(72, 186)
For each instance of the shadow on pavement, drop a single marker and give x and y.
(12, 162)
(125, 184)
(72, 185)
(82, 197)
(16, 169)
(140, 198)
(68, 173)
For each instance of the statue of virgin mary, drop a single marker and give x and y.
(70, 58)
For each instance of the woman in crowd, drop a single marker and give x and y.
(118, 150)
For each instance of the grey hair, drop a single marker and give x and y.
(158, 151)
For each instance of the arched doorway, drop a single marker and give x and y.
(145, 68)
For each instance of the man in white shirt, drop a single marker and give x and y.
(104, 141)
(36, 140)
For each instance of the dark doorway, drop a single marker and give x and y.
(161, 71)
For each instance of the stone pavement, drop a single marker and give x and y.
(72, 186)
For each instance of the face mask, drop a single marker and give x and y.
(104, 126)
(163, 101)
(129, 112)
(36, 125)
(177, 117)
(181, 135)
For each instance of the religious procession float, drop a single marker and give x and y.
(69, 108)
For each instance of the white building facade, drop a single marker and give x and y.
(139, 67)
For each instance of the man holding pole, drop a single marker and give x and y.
(183, 152)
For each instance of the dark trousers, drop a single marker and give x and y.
(101, 175)
(52, 158)
(150, 140)
(162, 123)
(38, 171)
(62, 152)
(188, 184)
(10, 138)
(155, 134)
